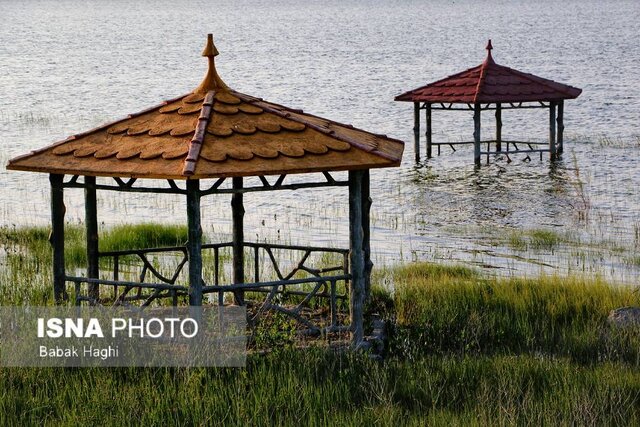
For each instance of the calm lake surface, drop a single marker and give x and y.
(68, 66)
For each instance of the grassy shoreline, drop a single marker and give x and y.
(464, 349)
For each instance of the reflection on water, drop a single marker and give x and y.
(68, 66)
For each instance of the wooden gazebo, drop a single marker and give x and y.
(218, 141)
(490, 86)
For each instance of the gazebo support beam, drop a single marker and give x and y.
(237, 208)
(57, 237)
(560, 124)
(366, 231)
(194, 245)
(357, 292)
(416, 130)
(552, 130)
(429, 131)
(91, 223)
(498, 127)
(476, 134)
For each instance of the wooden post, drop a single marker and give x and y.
(416, 130)
(57, 237)
(429, 131)
(357, 259)
(476, 134)
(194, 245)
(560, 122)
(237, 208)
(498, 127)
(366, 232)
(91, 223)
(552, 130)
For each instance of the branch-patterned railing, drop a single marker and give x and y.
(152, 285)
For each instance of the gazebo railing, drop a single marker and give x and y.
(510, 146)
(151, 284)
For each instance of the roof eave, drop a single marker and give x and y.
(60, 171)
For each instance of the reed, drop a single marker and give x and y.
(465, 349)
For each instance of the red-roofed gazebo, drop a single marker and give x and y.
(490, 86)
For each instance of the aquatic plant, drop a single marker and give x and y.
(464, 349)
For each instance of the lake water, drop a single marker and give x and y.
(68, 66)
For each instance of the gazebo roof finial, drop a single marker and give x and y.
(489, 49)
(210, 48)
(212, 80)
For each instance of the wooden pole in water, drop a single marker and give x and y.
(194, 245)
(476, 134)
(429, 131)
(560, 123)
(552, 130)
(237, 208)
(498, 127)
(57, 237)
(416, 130)
(356, 259)
(366, 232)
(91, 223)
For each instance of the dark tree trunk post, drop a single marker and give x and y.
(366, 232)
(91, 222)
(560, 122)
(57, 237)
(498, 127)
(237, 208)
(416, 130)
(476, 134)
(194, 245)
(552, 130)
(429, 131)
(357, 259)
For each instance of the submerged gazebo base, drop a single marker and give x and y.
(497, 146)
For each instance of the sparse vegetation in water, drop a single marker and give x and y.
(634, 260)
(582, 200)
(537, 239)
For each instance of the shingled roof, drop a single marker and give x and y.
(214, 131)
(491, 83)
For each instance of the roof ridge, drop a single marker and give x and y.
(196, 142)
(481, 79)
(266, 105)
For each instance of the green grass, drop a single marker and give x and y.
(457, 311)
(25, 272)
(33, 242)
(464, 349)
(537, 239)
(314, 387)
(141, 236)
